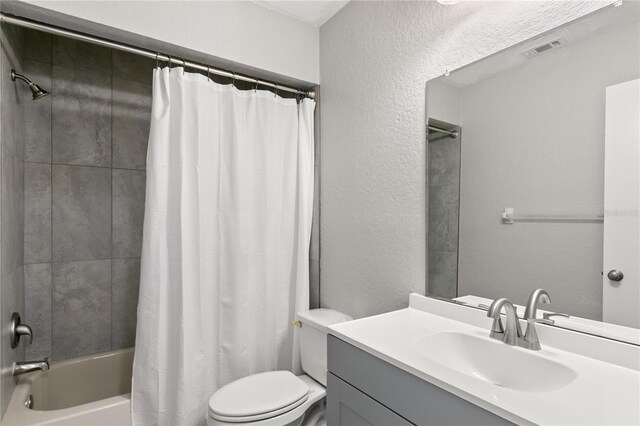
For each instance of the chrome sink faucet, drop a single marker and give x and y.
(531, 340)
(23, 367)
(510, 333)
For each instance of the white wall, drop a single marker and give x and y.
(443, 102)
(533, 139)
(238, 31)
(375, 58)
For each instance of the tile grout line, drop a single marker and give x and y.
(53, 93)
(82, 260)
(111, 218)
(86, 165)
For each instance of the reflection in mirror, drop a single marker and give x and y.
(540, 186)
(443, 205)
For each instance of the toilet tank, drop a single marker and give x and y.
(313, 340)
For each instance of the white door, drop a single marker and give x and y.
(621, 299)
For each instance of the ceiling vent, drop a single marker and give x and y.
(544, 48)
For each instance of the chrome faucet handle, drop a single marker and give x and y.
(548, 315)
(25, 330)
(18, 329)
(541, 321)
(497, 330)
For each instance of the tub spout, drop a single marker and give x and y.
(23, 367)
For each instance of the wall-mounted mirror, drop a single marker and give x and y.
(533, 175)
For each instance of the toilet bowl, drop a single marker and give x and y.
(279, 398)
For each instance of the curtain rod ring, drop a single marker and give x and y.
(275, 95)
(169, 62)
(157, 60)
(233, 81)
(208, 78)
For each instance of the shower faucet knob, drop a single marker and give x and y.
(17, 329)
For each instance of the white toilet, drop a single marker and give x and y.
(279, 398)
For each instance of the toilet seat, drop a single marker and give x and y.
(258, 397)
(317, 393)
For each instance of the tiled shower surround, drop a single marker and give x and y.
(12, 100)
(84, 186)
(444, 201)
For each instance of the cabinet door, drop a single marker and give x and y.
(347, 406)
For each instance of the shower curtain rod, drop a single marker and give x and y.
(34, 25)
(452, 133)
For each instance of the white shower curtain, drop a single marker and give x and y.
(226, 237)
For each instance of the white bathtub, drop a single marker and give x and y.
(93, 390)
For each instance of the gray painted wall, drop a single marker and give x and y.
(12, 98)
(375, 58)
(533, 139)
(84, 195)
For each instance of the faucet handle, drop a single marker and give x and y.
(540, 321)
(546, 317)
(18, 329)
(25, 330)
(496, 327)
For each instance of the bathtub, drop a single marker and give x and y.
(87, 391)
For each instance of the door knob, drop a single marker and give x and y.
(615, 275)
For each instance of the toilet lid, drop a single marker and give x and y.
(258, 395)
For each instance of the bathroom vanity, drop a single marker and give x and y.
(435, 364)
(364, 389)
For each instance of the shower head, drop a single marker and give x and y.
(37, 91)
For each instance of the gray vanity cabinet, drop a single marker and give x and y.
(365, 390)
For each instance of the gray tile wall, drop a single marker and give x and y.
(84, 192)
(444, 203)
(12, 149)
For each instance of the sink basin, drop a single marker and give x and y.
(494, 362)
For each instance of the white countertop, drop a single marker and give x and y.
(605, 391)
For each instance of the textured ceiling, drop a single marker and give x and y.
(313, 12)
